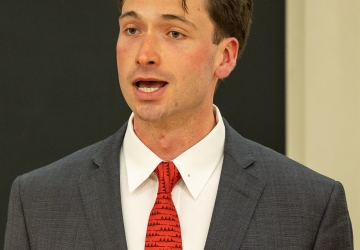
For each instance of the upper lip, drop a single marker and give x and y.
(147, 79)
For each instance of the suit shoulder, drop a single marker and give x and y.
(74, 162)
(272, 167)
(279, 166)
(69, 168)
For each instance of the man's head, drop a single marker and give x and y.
(231, 18)
(170, 57)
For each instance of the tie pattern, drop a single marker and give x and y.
(163, 230)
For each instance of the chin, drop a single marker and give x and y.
(149, 114)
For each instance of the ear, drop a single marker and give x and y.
(226, 58)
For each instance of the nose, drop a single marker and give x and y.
(148, 51)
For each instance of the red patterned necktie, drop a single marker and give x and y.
(163, 230)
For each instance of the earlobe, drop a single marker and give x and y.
(228, 56)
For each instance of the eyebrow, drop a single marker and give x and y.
(163, 16)
(130, 14)
(179, 18)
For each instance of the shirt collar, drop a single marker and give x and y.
(195, 164)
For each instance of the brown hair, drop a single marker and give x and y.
(231, 18)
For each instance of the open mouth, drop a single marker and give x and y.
(149, 86)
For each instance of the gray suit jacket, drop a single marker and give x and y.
(264, 201)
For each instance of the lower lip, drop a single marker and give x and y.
(149, 96)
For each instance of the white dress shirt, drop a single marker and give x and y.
(193, 195)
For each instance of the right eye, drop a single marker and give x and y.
(131, 31)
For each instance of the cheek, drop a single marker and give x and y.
(123, 60)
(122, 64)
(122, 53)
(199, 57)
(198, 62)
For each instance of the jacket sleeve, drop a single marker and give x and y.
(335, 231)
(16, 236)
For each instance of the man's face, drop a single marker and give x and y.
(166, 58)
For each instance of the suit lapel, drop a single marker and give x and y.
(100, 193)
(237, 197)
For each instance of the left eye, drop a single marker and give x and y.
(131, 31)
(175, 34)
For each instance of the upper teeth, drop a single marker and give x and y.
(147, 89)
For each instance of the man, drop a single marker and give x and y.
(225, 191)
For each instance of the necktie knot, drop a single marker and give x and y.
(168, 176)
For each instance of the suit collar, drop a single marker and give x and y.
(100, 193)
(237, 197)
(237, 147)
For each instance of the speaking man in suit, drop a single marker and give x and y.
(177, 176)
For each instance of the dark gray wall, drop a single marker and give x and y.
(59, 89)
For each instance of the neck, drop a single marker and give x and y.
(168, 139)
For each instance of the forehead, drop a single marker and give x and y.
(195, 8)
